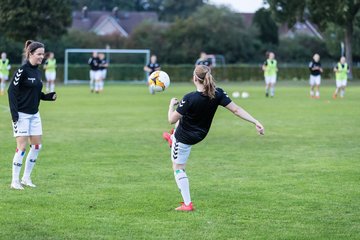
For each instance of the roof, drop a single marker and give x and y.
(108, 22)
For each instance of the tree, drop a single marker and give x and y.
(341, 13)
(267, 26)
(33, 19)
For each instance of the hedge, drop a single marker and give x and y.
(183, 73)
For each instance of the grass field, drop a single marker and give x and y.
(104, 171)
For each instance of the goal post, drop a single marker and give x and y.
(124, 64)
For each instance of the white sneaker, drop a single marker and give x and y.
(16, 185)
(27, 182)
(151, 89)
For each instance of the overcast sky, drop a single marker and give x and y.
(240, 5)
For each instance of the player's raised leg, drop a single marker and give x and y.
(31, 158)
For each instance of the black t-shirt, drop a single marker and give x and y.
(25, 91)
(197, 112)
(102, 63)
(94, 63)
(313, 64)
(205, 62)
(153, 67)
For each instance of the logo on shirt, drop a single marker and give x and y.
(17, 76)
(32, 79)
(182, 103)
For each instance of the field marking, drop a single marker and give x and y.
(4, 108)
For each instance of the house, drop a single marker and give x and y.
(299, 28)
(110, 22)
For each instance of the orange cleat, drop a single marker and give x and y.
(167, 137)
(185, 208)
(334, 96)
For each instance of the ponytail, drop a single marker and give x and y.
(203, 75)
(30, 47)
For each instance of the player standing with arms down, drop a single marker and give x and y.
(50, 72)
(341, 74)
(24, 99)
(103, 65)
(4, 72)
(153, 65)
(94, 71)
(315, 76)
(194, 115)
(270, 71)
(203, 60)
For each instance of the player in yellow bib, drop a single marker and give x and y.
(341, 74)
(4, 72)
(50, 72)
(270, 71)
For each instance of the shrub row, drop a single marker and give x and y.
(183, 73)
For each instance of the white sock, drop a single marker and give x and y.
(91, 84)
(97, 86)
(267, 90)
(31, 160)
(2, 86)
(311, 93)
(47, 86)
(272, 91)
(182, 182)
(17, 163)
(317, 94)
(342, 93)
(102, 85)
(52, 87)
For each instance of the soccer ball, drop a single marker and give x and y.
(245, 95)
(236, 94)
(158, 81)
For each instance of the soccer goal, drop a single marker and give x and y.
(124, 65)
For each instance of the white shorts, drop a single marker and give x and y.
(103, 73)
(315, 80)
(270, 79)
(28, 125)
(180, 152)
(5, 77)
(50, 76)
(341, 83)
(95, 75)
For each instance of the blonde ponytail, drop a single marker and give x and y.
(203, 75)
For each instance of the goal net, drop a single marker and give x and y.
(124, 65)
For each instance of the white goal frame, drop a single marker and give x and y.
(89, 50)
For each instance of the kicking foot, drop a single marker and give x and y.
(167, 137)
(186, 208)
(27, 182)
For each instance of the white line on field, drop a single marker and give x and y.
(4, 108)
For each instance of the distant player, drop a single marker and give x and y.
(95, 75)
(153, 65)
(4, 72)
(203, 60)
(24, 99)
(341, 74)
(315, 76)
(193, 117)
(103, 65)
(270, 73)
(50, 72)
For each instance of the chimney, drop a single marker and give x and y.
(84, 12)
(115, 12)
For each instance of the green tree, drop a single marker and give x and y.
(32, 19)
(268, 30)
(341, 13)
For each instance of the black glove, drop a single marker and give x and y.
(48, 96)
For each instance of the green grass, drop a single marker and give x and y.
(104, 171)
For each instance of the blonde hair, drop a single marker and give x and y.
(30, 47)
(203, 74)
